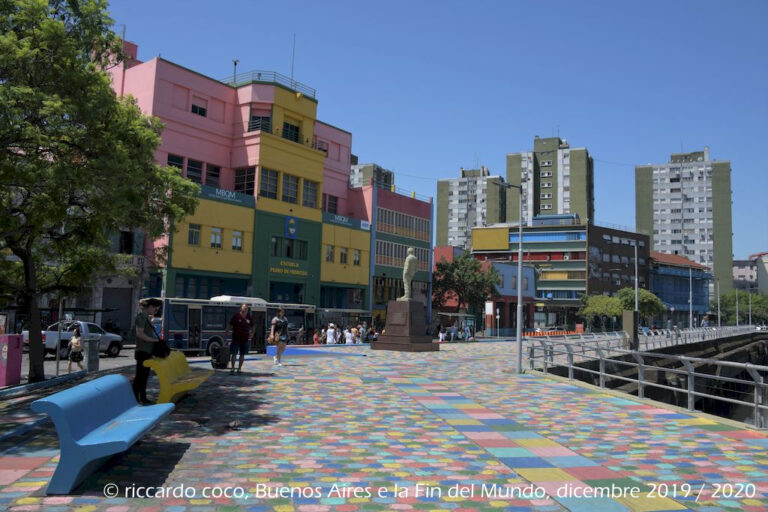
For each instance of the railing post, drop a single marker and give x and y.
(640, 375)
(531, 350)
(570, 361)
(760, 397)
(691, 385)
(602, 368)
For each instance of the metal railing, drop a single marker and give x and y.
(635, 368)
(273, 77)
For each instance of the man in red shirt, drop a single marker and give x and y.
(241, 326)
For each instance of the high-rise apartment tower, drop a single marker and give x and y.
(685, 205)
(556, 178)
(473, 200)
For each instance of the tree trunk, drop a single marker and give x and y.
(36, 348)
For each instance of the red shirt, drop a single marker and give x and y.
(241, 327)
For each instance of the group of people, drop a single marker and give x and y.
(240, 325)
(334, 335)
(454, 333)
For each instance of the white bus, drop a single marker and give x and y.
(198, 325)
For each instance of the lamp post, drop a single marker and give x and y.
(718, 303)
(750, 305)
(737, 307)
(519, 331)
(234, 77)
(636, 312)
(690, 298)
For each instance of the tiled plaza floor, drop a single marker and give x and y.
(407, 432)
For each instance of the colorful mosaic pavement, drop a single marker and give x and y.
(453, 430)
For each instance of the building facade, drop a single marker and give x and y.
(365, 174)
(556, 179)
(685, 204)
(675, 280)
(745, 275)
(472, 200)
(273, 216)
(571, 259)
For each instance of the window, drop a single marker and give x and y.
(525, 283)
(329, 253)
(291, 131)
(356, 257)
(263, 123)
(290, 188)
(244, 180)
(216, 238)
(546, 206)
(513, 282)
(237, 240)
(194, 234)
(546, 174)
(176, 161)
(546, 163)
(276, 246)
(212, 173)
(343, 255)
(268, 185)
(546, 196)
(309, 194)
(195, 171)
(546, 184)
(331, 203)
(199, 107)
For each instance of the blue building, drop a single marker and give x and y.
(506, 302)
(672, 279)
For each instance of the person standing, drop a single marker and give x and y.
(279, 333)
(241, 326)
(330, 334)
(146, 338)
(75, 350)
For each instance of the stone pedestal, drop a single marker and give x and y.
(405, 329)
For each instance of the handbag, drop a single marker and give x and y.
(160, 347)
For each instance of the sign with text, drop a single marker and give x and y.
(226, 196)
(343, 220)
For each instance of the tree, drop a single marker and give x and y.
(77, 162)
(728, 307)
(464, 281)
(649, 304)
(601, 306)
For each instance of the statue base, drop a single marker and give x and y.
(405, 329)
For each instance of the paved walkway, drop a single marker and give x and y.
(452, 430)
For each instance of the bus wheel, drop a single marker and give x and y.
(213, 347)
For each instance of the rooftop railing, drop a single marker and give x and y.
(269, 77)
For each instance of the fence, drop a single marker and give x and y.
(648, 373)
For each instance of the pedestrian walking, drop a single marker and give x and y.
(146, 339)
(241, 326)
(75, 350)
(279, 334)
(330, 334)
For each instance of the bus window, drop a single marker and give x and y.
(177, 317)
(214, 318)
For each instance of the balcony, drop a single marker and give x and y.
(269, 77)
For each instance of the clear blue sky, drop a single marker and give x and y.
(427, 87)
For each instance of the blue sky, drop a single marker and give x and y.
(427, 87)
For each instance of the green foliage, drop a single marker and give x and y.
(728, 307)
(649, 304)
(76, 161)
(600, 306)
(464, 281)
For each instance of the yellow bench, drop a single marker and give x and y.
(175, 376)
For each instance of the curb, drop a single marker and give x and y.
(19, 390)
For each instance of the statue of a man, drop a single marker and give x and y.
(409, 270)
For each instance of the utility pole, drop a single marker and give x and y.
(690, 298)
(718, 303)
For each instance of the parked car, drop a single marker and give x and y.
(110, 344)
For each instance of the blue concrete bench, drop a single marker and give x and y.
(95, 420)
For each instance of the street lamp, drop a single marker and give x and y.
(519, 332)
(718, 303)
(737, 307)
(690, 297)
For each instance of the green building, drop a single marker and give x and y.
(557, 180)
(685, 204)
